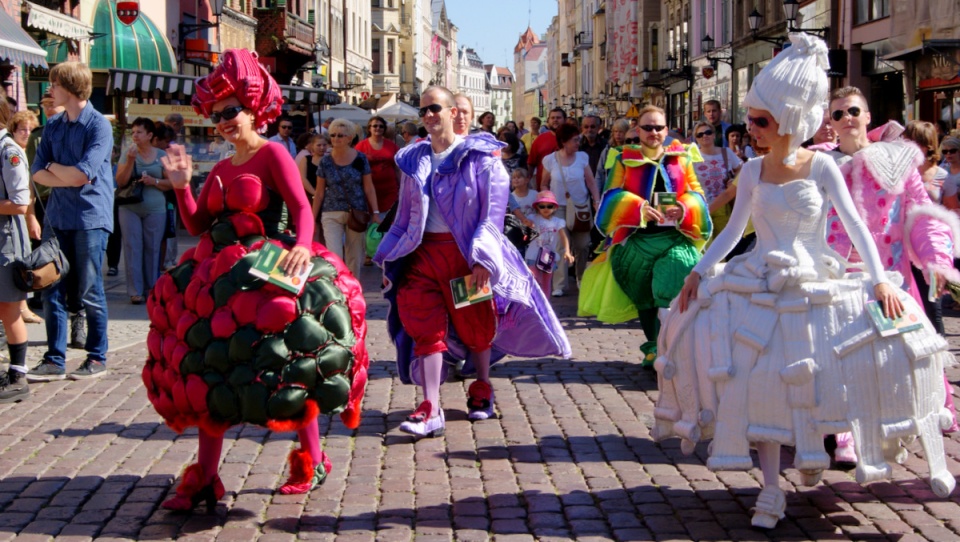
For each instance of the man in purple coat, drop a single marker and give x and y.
(449, 223)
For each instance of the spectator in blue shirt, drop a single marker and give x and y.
(74, 160)
(285, 136)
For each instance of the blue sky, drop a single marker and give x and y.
(492, 27)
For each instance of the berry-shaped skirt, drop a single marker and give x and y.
(226, 347)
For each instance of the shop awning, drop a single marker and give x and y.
(932, 45)
(316, 96)
(127, 81)
(55, 22)
(140, 46)
(130, 81)
(17, 46)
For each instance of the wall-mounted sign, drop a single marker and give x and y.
(128, 11)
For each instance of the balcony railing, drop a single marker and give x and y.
(298, 29)
(583, 41)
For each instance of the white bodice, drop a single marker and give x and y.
(791, 218)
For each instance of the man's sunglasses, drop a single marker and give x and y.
(652, 127)
(705, 133)
(433, 108)
(950, 151)
(759, 122)
(838, 114)
(632, 140)
(228, 113)
(546, 206)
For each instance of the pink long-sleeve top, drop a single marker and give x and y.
(273, 165)
(906, 226)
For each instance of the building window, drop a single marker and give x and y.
(703, 19)
(655, 48)
(725, 24)
(391, 56)
(871, 10)
(376, 56)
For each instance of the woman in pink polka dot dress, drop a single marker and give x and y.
(908, 228)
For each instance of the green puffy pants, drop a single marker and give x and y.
(651, 269)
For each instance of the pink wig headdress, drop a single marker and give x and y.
(240, 74)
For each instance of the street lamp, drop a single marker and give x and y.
(187, 29)
(754, 20)
(791, 10)
(706, 44)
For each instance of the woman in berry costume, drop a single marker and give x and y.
(226, 347)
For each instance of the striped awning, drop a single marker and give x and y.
(129, 81)
(132, 81)
(16, 46)
(316, 96)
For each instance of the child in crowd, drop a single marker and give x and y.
(542, 253)
(525, 198)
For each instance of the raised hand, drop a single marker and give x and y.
(178, 165)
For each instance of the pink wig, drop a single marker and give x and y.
(240, 74)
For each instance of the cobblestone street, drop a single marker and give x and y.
(570, 458)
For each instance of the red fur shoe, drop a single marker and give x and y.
(192, 491)
(303, 476)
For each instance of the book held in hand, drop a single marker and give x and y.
(267, 267)
(466, 293)
(910, 320)
(663, 201)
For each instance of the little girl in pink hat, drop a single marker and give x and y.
(542, 252)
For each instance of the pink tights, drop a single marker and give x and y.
(543, 279)
(208, 455)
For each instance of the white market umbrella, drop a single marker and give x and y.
(348, 112)
(398, 112)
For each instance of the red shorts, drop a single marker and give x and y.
(425, 302)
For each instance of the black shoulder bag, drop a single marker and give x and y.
(131, 193)
(43, 267)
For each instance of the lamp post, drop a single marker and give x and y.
(791, 9)
(187, 29)
(706, 45)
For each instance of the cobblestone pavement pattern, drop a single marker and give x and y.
(570, 458)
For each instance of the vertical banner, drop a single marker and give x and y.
(622, 36)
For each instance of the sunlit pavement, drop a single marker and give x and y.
(569, 458)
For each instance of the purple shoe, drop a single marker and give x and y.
(421, 425)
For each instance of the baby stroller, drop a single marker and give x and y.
(517, 233)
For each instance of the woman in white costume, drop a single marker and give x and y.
(776, 347)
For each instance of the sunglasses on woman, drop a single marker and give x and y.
(546, 206)
(228, 113)
(950, 151)
(838, 114)
(759, 122)
(705, 133)
(632, 140)
(433, 108)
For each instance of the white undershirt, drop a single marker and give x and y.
(435, 222)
